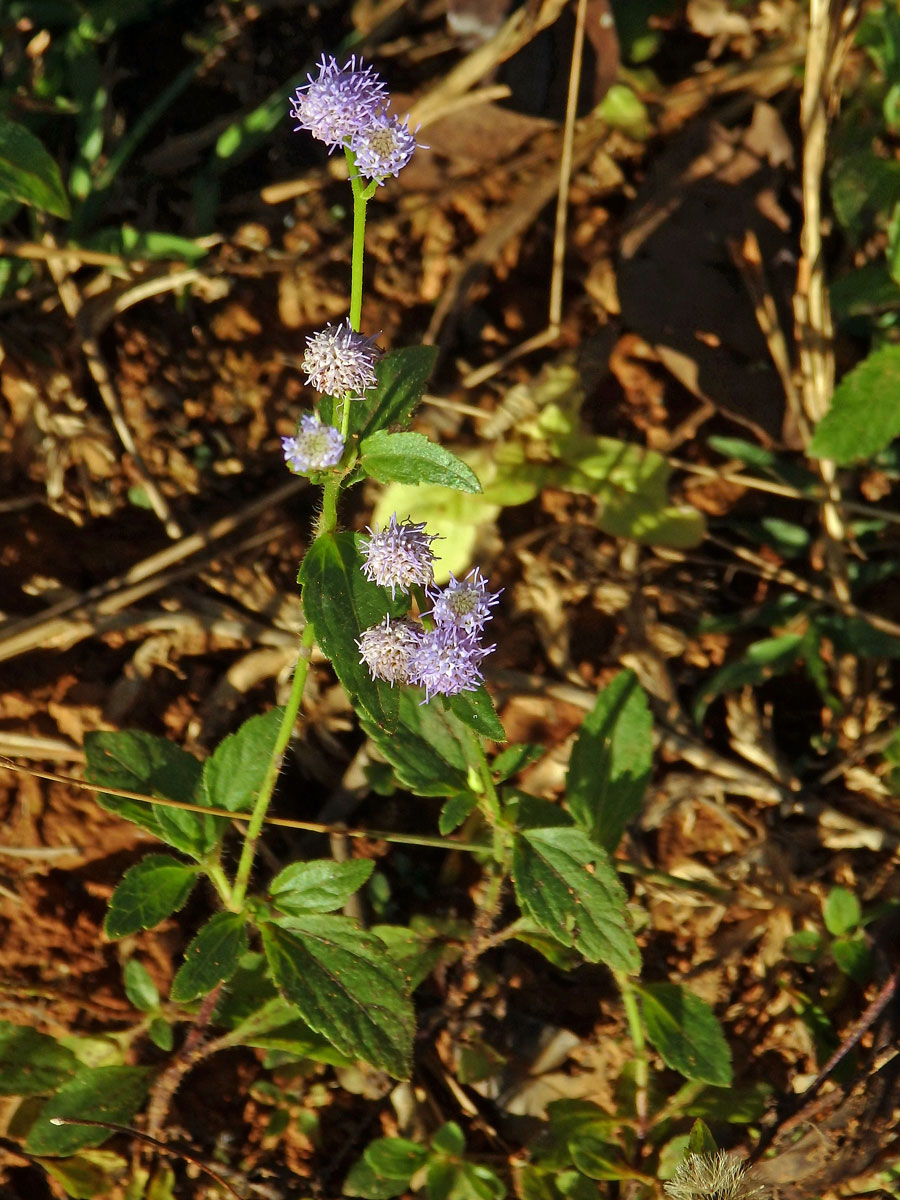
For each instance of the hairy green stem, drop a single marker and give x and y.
(326, 524)
(218, 879)
(641, 1059)
(258, 816)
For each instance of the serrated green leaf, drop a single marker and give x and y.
(104, 1093)
(685, 1031)
(232, 775)
(427, 747)
(342, 604)
(32, 1062)
(212, 956)
(864, 416)
(611, 761)
(455, 811)
(412, 458)
(154, 766)
(402, 375)
(476, 709)
(28, 173)
(516, 758)
(841, 911)
(345, 986)
(150, 891)
(566, 884)
(139, 987)
(318, 886)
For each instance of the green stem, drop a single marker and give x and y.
(641, 1058)
(219, 881)
(258, 816)
(360, 201)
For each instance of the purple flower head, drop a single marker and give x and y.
(386, 649)
(315, 447)
(341, 101)
(465, 604)
(383, 146)
(399, 556)
(446, 662)
(339, 360)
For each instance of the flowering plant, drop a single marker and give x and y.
(410, 655)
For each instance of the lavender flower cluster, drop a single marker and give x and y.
(445, 658)
(347, 107)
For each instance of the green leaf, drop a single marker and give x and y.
(149, 892)
(566, 884)
(319, 886)
(32, 1062)
(212, 956)
(455, 811)
(139, 987)
(395, 1158)
(863, 185)
(841, 911)
(853, 957)
(516, 758)
(449, 1140)
(462, 1181)
(28, 173)
(140, 762)
(632, 484)
(144, 244)
(864, 416)
(685, 1031)
(415, 952)
(736, 1105)
(427, 748)
(598, 1159)
(402, 375)
(232, 775)
(701, 1140)
(804, 946)
(412, 458)
(105, 1093)
(476, 709)
(88, 1174)
(341, 604)
(761, 660)
(611, 762)
(161, 1034)
(363, 1180)
(345, 987)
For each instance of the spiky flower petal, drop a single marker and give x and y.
(383, 147)
(339, 360)
(466, 603)
(446, 662)
(314, 448)
(717, 1176)
(399, 555)
(386, 649)
(339, 102)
